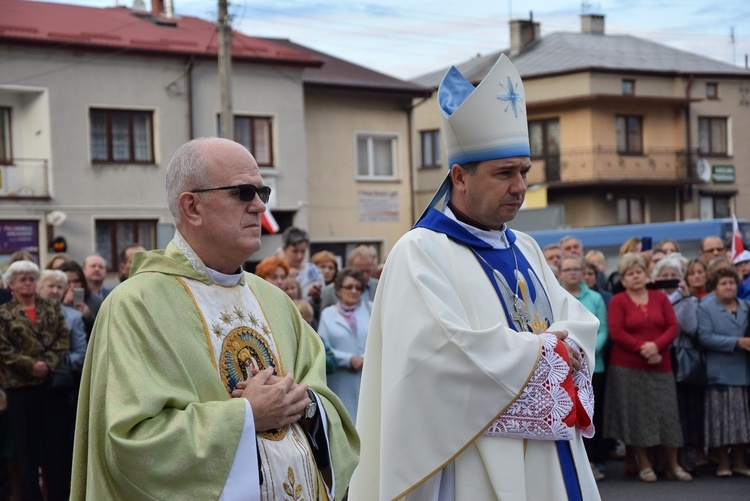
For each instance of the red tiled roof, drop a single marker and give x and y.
(50, 24)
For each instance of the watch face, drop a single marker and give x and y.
(311, 410)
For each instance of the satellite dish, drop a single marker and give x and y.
(703, 169)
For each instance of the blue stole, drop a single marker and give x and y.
(500, 267)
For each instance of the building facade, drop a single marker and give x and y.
(622, 130)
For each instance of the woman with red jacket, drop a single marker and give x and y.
(641, 407)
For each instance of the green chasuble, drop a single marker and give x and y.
(155, 419)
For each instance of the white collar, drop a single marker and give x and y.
(495, 238)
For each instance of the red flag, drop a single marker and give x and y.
(737, 246)
(268, 222)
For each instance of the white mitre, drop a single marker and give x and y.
(483, 123)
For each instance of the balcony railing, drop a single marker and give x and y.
(25, 178)
(581, 165)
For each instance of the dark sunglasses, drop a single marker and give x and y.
(245, 192)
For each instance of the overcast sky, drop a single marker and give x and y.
(407, 38)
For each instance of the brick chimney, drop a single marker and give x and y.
(157, 7)
(522, 32)
(592, 24)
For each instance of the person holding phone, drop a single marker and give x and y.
(669, 276)
(641, 407)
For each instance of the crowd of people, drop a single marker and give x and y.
(672, 366)
(336, 302)
(46, 319)
(49, 314)
(482, 377)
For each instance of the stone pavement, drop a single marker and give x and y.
(705, 487)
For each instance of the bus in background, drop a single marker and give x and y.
(608, 239)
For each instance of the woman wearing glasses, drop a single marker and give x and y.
(343, 326)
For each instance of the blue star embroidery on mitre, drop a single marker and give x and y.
(511, 96)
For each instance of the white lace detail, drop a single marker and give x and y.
(538, 412)
(582, 382)
(190, 254)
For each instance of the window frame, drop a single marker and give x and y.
(370, 137)
(631, 83)
(628, 148)
(251, 147)
(710, 152)
(436, 149)
(627, 217)
(130, 113)
(112, 255)
(7, 140)
(715, 87)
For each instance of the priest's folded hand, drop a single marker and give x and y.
(573, 355)
(275, 401)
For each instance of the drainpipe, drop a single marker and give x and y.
(688, 144)
(189, 64)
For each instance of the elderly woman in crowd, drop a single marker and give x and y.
(571, 278)
(91, 303)
(327, 264)
(722, 331)
(53, 284)
(641, 406)
(689, 393)
(695, 277)
(343, 327)
(34, 339)
(274, 270)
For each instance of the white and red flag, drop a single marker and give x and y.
(268, 222)
(737, 246)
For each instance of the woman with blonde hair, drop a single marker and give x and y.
(641, 406)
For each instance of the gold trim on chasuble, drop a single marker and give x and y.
(239, 338)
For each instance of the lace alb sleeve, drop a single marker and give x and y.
(553, 403)
(539, 411)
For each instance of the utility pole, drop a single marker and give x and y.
(225, 71)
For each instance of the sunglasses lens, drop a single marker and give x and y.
(246, 193)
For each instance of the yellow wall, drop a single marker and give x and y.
(331, 123)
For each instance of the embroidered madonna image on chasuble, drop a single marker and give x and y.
(241, 340)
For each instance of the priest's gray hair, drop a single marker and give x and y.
(18, 268)
(674, 261)
(186, 172)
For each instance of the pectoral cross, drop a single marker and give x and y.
(521, 313)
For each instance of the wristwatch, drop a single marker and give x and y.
(312, 408)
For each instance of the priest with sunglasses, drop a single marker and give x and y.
(203, 381)
(478, 376)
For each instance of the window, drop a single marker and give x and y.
(6, 154)
(712, 90)
(630, 211)
(628, 87)
(544, 140)
(430, 148)
(112, 236)
(376, 156)
(255, 134)
(122, 136)
(712, 136)
(629, 134)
